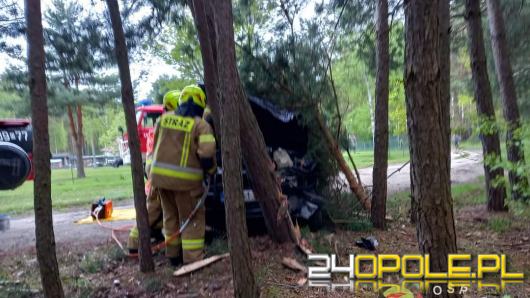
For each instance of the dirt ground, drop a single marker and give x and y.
(92, 266)
(104, 271)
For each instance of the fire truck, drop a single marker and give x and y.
(146, 116)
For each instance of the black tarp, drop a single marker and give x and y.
(280, 128)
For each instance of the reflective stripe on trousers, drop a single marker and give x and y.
(192, 244)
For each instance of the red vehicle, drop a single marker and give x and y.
(146, 117)
(16, 149)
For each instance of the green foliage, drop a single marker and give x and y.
(72, 42)
(165, 84)
(11, 26)
(487, 125)
(397, 112)
(12, 105)
(58, 135)
(178, 46)
(520, 138)
(345, 211)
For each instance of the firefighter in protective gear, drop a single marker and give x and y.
(154, 206)
(184, 154)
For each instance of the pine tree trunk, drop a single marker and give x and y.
(80, 144)
(44, 235)
(232, 92)
(146, 259)
(379, 173)
(260, 167)
(427, 113)
(501, 56)
(490, 139)
(77, 137)
(203, 26)
(333, 147)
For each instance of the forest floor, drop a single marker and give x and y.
(94, 266)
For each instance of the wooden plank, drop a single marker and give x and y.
(199, 264)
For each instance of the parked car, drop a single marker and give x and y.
(115, 162)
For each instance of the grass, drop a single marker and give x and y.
(91, 263)
(465, 194)
(111, 183)
(365, 158)
(499, 224)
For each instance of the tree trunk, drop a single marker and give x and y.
(80, 144)
(77, 136)
(501, 55)
(427, 120)
(379, 173)
(333, 147)
(489, 136)
(232, 92)
(204, 26)
(261, 169)
(146, 259)
(44, 236)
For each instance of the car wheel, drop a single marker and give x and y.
(14, 166)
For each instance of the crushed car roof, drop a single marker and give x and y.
(280, 114)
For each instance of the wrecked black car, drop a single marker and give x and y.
(287, 143)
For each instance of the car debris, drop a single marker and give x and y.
(296, 172)
(369, 243)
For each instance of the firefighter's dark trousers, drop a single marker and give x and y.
(177, 207)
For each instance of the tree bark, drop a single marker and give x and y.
(204, 26)
(146, 259)
(379, 181)
(427, 121)
(78, 138)
(260, 167)
(503, 68)
(231, 92)
(333, 147)
(490, 139)
(80, 143)
(44, 235)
